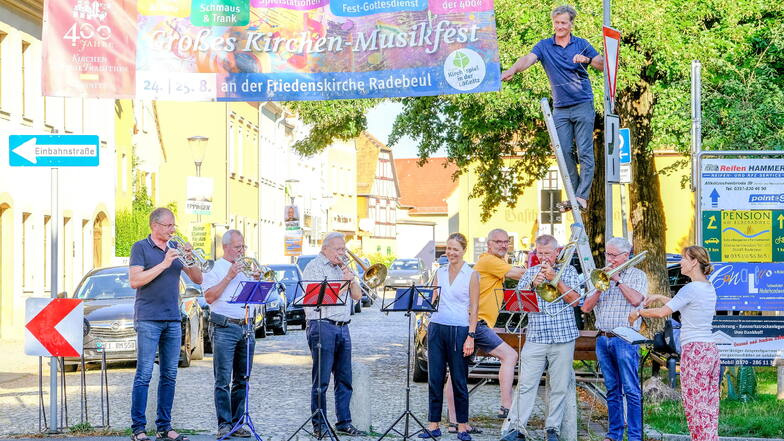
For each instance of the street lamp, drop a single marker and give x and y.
(290, 189)
(198, 145)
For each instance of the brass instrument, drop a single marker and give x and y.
(196, 258)
(374, 275)
(600, 278)
(548, 291)
(251, 267)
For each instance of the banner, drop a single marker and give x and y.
(283, 50)
(292, 243)
(749, 340)
(747, 286)
(89, 48)
(201, 237)
(198, 195)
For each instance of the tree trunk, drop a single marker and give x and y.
(635, 107)
(595, 216)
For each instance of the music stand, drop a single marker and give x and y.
(248, 293)
(316, 294)
(517, 302)
(408, 300)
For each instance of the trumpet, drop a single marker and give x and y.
(548, 291)
(600, 279)
(373, 276)
(251, 268)
(196, 258)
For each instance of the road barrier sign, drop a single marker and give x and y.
(54, 327)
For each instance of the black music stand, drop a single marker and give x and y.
(316, 294)
(411, 299)
(249, 293)
(517, 302)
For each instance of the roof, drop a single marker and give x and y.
(425, 188)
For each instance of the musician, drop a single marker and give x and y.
(450, 337)
(154, 271)
(619, 360)
(227, 325)
(700, 363)
(333, 333)
(549, 339)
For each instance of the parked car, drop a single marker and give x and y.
(403, 272)
(289, 275)
(108, 313)
(275, 312)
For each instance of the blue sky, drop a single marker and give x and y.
(380, 119)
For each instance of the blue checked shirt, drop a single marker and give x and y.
(546, 329)
(613, 309)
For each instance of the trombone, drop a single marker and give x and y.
(548, 291)
(600, 278)
(373, 276)
(196, 258)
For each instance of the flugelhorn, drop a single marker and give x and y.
(548, 291)
(196, 258)
(373, 276)
(251, 267)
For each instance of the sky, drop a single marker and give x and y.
(380, 119)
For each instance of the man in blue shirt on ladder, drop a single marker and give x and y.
(565, 58)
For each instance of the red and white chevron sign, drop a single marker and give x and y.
(54, 327)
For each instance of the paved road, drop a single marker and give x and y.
(280, 386)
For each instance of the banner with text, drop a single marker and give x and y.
(749, 340)
(744, 286)
(279, 50)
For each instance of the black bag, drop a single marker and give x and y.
(668, 340)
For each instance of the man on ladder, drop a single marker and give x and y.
(565, 58)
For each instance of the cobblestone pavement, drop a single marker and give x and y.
(280, 385)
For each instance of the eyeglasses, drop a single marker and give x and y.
(167, 226)
(501, 242)
(608, 254)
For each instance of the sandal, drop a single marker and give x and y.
(136, 437)
(503, 413)
(472, 429)
(164, 436)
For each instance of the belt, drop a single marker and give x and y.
(240, 322)
(337, 323)
(607, 334)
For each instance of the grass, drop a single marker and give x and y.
(761, 417)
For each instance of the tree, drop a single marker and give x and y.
(659, 40)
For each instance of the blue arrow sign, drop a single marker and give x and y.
(714, 197)
(53, 150)
(626, 146)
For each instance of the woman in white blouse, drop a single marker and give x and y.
(450, 336)
(699, 354)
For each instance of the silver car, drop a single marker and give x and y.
(404, 272)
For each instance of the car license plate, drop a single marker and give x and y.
(117, 346)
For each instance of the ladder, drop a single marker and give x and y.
(512, 427)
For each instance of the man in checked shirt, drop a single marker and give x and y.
(549, 340)
(331, 330)
(619, 360)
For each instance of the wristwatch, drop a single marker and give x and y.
(472, 334)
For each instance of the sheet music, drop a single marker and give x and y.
(630, 335)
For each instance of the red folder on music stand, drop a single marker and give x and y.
(323, 293)
(519, 301)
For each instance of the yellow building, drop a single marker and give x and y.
(377, 196)
(534, 213)
(341, 191)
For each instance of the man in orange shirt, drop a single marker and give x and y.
(493, 269)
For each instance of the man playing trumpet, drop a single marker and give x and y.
(549, 339)
(154, 271)
(227, 332)
(330, 330)
(618, 359)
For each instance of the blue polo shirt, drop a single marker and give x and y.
(569, 81)
(159, 299)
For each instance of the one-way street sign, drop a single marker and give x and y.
(53, 150)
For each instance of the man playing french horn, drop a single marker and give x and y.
(549, 339)
(227, 322)
(618, 359)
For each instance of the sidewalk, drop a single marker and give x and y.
(14, 364)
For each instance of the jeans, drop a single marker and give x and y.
(164, 337)
(575, 123)
(558, 358)
(445, 348)
(335, 359)
(230, 365)
(620, 363)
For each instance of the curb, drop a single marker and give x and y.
(655, 434)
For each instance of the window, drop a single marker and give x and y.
(231, 147)
(27, 273)
(25, 84)
(2, 38)
(550, 196)
(240, 142)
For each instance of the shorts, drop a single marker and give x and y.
(486, 339)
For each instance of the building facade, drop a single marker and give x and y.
(377, 196)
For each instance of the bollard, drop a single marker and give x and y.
(568, 431)
(151, 412)
(360, 398)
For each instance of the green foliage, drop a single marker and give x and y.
(134, 224)
(375, 258)
(81, 428)
(739, 383)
